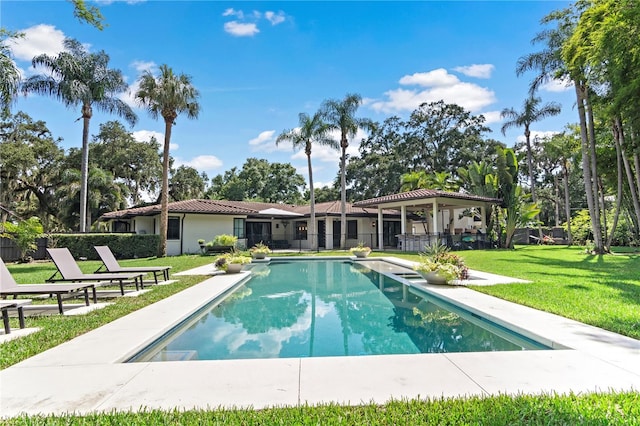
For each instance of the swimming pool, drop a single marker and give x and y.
(322, 308)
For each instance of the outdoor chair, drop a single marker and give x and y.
(5, 305)
(9, 287)
(70, 271)
(112, 266)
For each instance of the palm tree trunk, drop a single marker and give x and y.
(620, 142)
(164, 193)
(343, 194)
(556, 195)
(592, 154)
(84, 167)
(619, 192)
(527, 135)
(312, 201)
(586, 167)
(567, 202)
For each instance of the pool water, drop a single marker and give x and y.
(328, 308)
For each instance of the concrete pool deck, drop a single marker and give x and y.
(87, 374)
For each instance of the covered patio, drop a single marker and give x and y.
(435, 219)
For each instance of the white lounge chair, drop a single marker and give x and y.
(109, 261)
(9, 287)
(70, 271)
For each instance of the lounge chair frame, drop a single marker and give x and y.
(9, 287)
(5, 305)
(111, 264)
(69, 270)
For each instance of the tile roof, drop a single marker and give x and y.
(419, 194)
(249, 208)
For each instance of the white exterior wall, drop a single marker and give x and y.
(144, 225)
(206, 227)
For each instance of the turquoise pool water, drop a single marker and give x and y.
(328, 308)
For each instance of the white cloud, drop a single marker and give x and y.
(492, 117)
(557, 86)
(142, 66)
(275, 18)
(263, 138)
(439, 86)
(37, 40)
(435, 78)
(202, 163)
(239, 29)
(537, 134)
(232, 12)
(476, 70)
(146, 135)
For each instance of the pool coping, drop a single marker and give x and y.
(87, 375)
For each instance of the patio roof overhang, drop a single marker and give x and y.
(427, 201)
(424, 199)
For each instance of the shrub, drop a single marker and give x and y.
(24, 234)
(123, 246)
(223, 240)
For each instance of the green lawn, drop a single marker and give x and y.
(600, 290)
(603, 291)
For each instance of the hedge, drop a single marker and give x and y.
(123, 246)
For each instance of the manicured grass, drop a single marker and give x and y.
(603, 291)
(592, 409)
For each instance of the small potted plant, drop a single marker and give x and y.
(439, 266)
(360, 250)
(260, 251)
(232, 262)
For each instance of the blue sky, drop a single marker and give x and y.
(257, 65)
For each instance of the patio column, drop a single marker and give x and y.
(435, 216)
(483, 218)
(403, 220)
(380, 229)
(329, 233)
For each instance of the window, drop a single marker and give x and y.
(301, 231)
(173, 228)
(352, 229)
(238, 228)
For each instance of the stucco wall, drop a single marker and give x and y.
(206, 227)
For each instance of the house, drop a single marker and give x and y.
(277, 225)
(404, 221)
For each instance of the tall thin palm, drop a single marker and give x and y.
(167, 96)
(550, 64)
(10, 75)
(340, 114)
(78, 77)
(312, 130)
(531, 112)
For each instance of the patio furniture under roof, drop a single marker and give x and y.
(427, 201)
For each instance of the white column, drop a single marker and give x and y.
(403, 220)
(380, 229)
(483, 218)
(329, 233)
(435, 216)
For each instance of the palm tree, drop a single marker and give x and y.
(167, 96)
(10, 76)
(78, 77)
(531, 112)
(550, 64)
(312, 130)
(341, 116)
